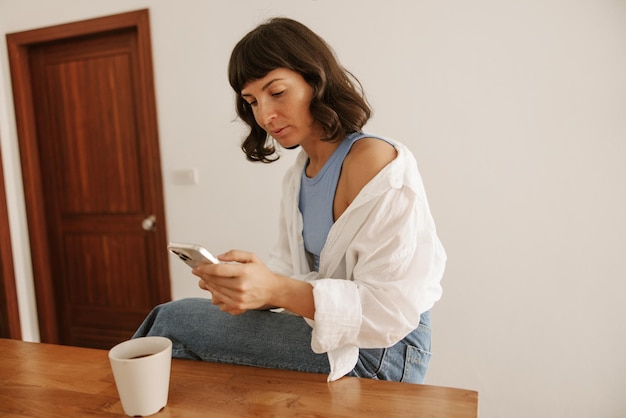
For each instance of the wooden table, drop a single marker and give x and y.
(43, 380)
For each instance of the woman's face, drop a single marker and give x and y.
(280, 102)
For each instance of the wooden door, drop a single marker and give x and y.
(90, 158)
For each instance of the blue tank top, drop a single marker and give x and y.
(317, 195)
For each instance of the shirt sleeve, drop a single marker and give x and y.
(397, 263)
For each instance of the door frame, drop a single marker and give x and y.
(18, 46)
(9, 309)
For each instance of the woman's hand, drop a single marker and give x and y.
(243, 282)
(239, 284)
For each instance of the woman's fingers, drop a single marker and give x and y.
(237, 256)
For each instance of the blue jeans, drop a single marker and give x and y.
(200, 331)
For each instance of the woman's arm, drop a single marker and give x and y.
(243, 283)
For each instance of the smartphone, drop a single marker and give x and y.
(191, 254)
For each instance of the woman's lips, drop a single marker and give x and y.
(278, 132)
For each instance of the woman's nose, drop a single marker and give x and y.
(266, 113)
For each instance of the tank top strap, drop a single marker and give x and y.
(317, 195)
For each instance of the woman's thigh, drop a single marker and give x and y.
(406, 361)
(199, 330)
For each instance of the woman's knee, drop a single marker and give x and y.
(167, 317)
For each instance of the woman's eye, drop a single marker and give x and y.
(278, 93)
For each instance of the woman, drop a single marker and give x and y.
(357, 265)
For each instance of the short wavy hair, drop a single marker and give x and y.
(338, 102)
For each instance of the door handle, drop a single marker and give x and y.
(149, 224)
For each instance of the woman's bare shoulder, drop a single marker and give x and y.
(366, 158)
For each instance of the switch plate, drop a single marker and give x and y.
(188, 177)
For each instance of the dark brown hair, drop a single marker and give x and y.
(338, 103)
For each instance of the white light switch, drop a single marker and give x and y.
(187, 176)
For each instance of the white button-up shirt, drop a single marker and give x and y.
(380, 268)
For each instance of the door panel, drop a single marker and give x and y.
(95, 133)
(98, 162)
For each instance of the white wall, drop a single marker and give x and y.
(516, 111)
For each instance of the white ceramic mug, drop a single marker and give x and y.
(141, 368)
